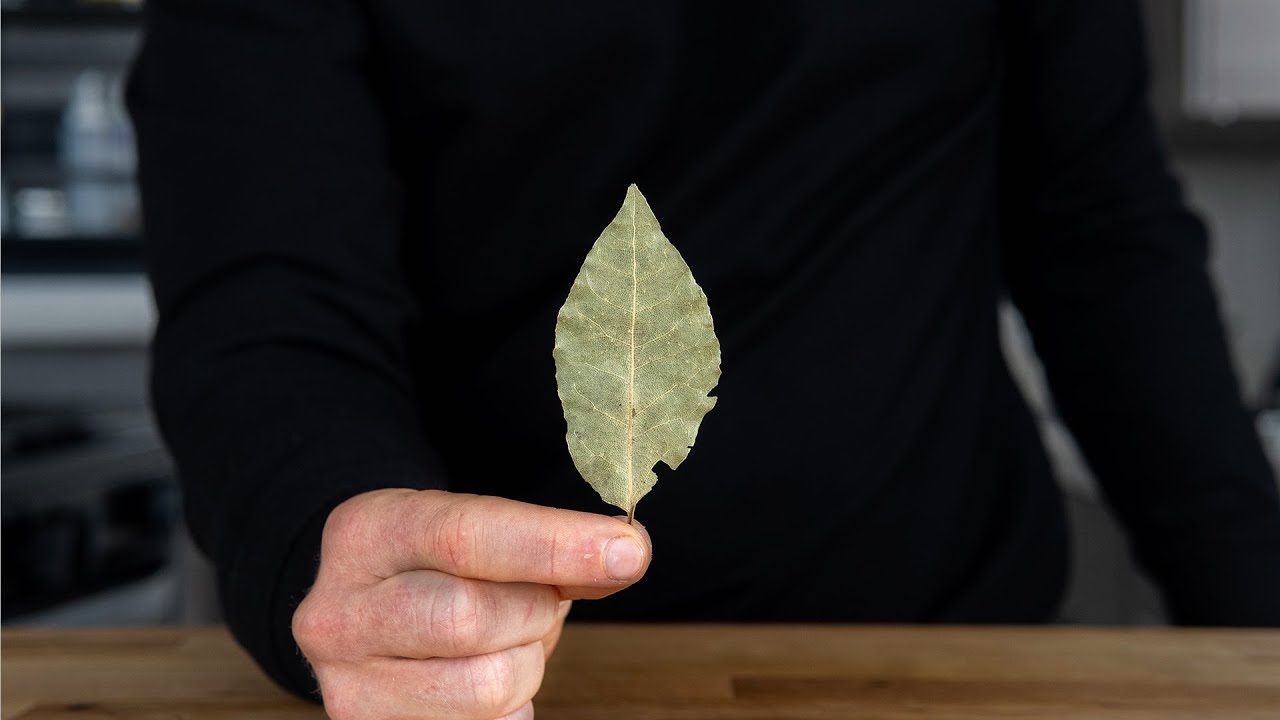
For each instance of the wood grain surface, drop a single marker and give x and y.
(643, 672)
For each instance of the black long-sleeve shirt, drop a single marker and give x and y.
(362, 217)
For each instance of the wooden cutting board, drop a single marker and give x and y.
(700, 672)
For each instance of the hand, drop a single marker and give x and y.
(431, 604)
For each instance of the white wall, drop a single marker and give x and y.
(1239, 199)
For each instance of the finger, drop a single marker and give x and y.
(426, 614)
(491, 538)
(597, 592)
(644, 531)
(524, 713)
(553, 638)
(480, 687)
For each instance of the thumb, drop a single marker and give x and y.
(385, 533)
(626, 560)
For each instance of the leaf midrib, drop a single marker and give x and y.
(631, 385)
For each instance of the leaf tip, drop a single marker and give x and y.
(634, 196)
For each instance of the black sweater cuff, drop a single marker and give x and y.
(265, 584)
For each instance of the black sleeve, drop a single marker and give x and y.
(272, 239)
(1108, 267)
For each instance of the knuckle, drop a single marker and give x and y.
(310, 626)
(554, 542)
(457, 619)
(318, 625)
(549, 605)
(452, 536)
(341, 704)
(346, 523)
(537, 609)
(492, 681)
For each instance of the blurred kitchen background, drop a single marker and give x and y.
(92, 532)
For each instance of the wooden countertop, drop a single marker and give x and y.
(706, 673)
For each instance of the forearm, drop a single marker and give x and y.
(281, 371)
(270, 443)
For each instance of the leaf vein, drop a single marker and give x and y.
(678, 324)
(683, 383)
(602, 456)
(654, 273)
(655, 426)
(665, 299)
(599, 369)
(603, 331)
(586, 279)
(683, 349)
(592, 403)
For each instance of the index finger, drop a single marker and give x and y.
(501, 540)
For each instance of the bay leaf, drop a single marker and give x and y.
(636, 356)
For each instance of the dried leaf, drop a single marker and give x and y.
(636, 355)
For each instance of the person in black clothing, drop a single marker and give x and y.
(361, 218)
